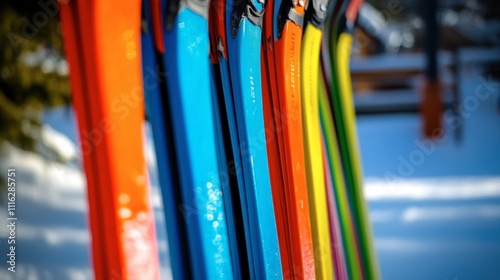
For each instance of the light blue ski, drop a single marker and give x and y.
(190, 96)
(243, 33)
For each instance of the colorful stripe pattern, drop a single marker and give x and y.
(254, 130)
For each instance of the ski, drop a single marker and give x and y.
(283, 22)
(311, 44)
(190, 99)
(159, 116)
(346, 129)
(338, 251)
(223, 92)
(101, 40)
(345, 215)
(229, 187)
(237, 41)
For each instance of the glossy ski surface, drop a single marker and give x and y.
(283, 47)
(243, 36)
(159, 116)
(190, 96)
(101, 40)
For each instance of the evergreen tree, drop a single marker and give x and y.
(33, 71)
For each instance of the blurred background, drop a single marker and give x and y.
(434, 202)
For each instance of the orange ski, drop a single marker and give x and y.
(283, 35)
(101, 40)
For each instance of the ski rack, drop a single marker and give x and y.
(103, 49)
(283, 35)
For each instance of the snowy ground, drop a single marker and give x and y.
(435, 207)
(52, 229)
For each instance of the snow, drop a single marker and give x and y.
(435, 204)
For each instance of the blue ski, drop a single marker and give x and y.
(243, 33)
(236, 43)
(157, 112)
(195, 139)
